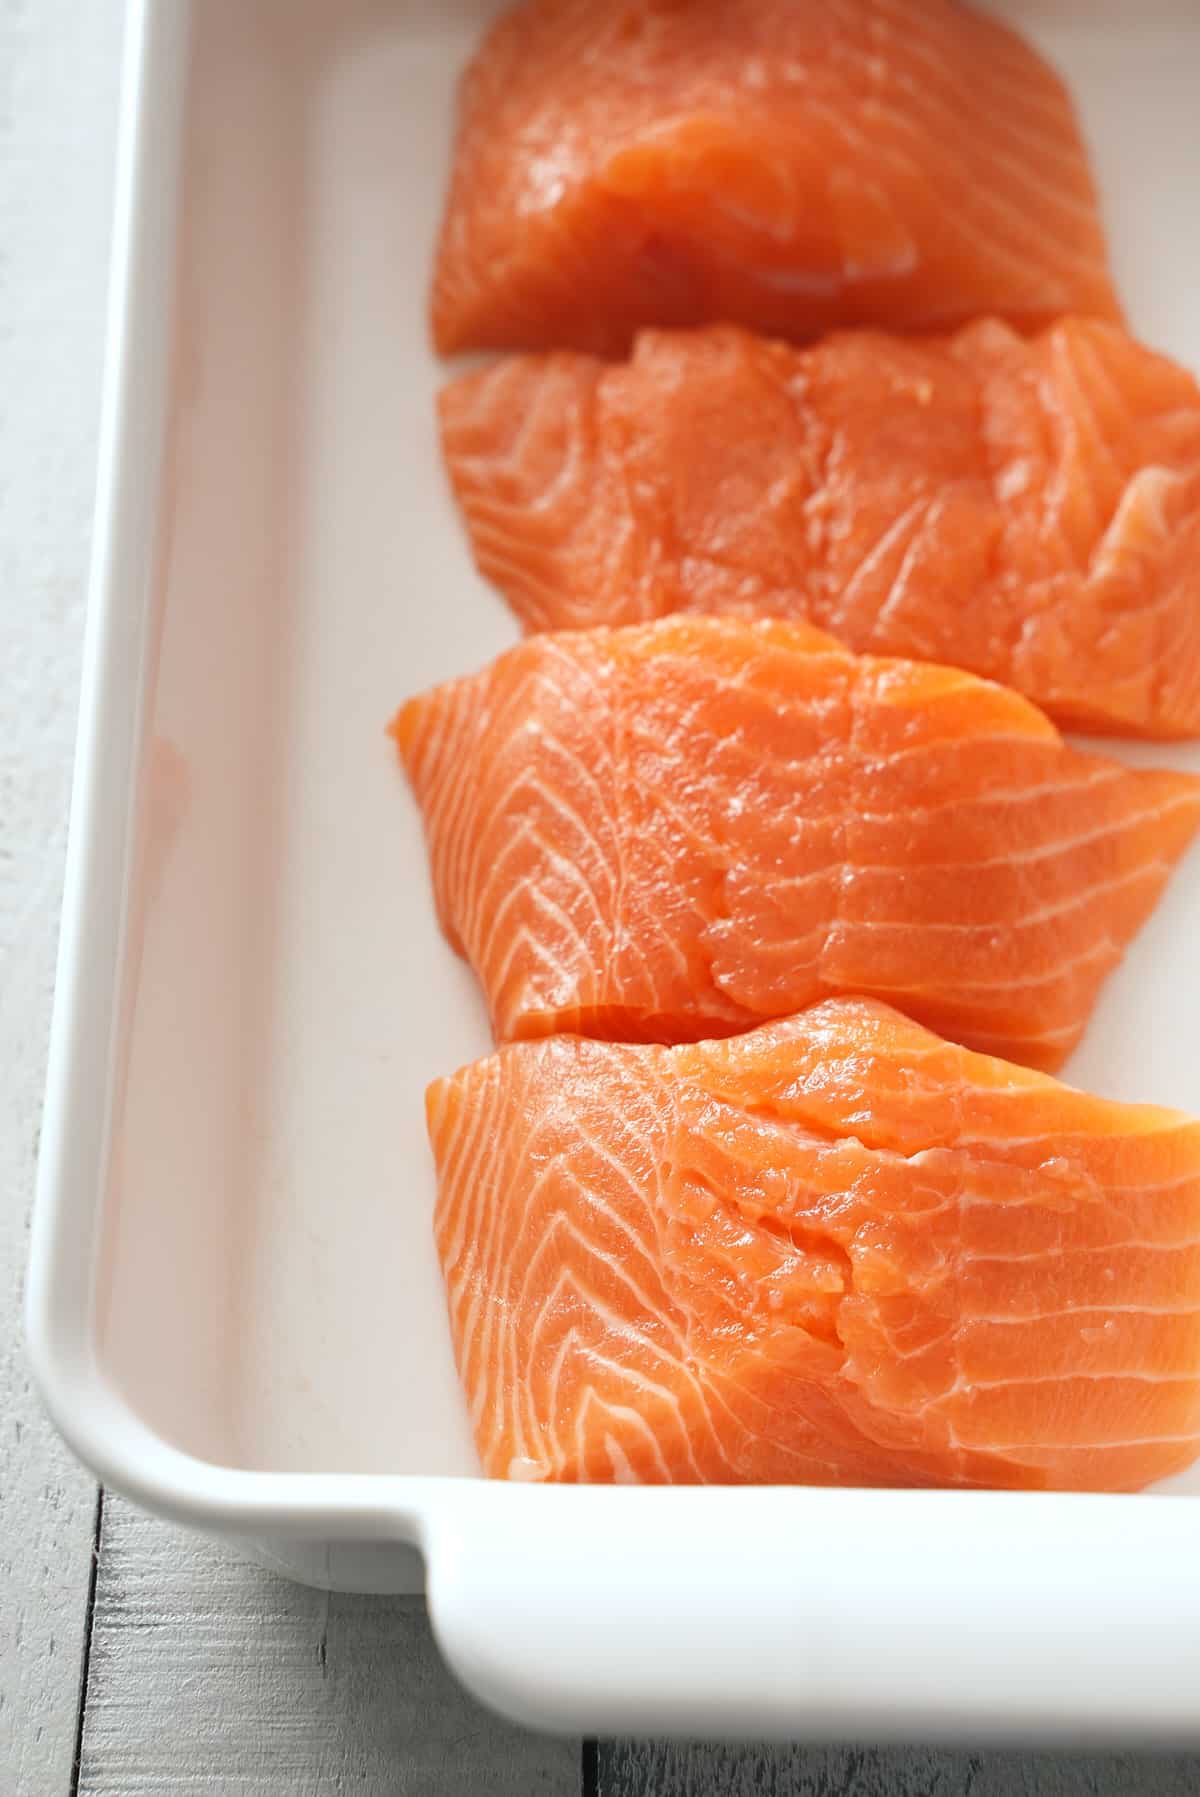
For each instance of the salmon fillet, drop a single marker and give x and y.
(792, 165)
(1028, 509)
(676, 830)
(836, 1250)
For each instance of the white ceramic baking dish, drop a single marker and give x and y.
(234, 1308)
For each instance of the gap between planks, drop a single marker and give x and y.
(86, 1655)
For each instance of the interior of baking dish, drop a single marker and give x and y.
(268, 1296)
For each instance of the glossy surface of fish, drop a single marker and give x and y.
(1028, 509)
(836, 1250)
(676, 830)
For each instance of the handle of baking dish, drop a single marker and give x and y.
(823, 1614)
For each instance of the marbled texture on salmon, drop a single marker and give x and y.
(792, 165)
(1025, 508)
(836, 1250)
(675, 830)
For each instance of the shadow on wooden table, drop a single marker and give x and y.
(658, 1769)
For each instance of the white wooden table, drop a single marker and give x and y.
(133, 1661)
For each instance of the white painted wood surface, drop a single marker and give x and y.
(58, 83)
(208, 1675)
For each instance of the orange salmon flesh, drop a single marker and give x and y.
(679, 829)
(836, 1250)
(1025, 508)
(904, 163)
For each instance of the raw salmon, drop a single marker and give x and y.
(678, 829)
(1028, 509)
(836, 1250)
(792, 165)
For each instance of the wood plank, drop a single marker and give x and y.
(58, 103)
(663, 1769)
(207, 1674)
